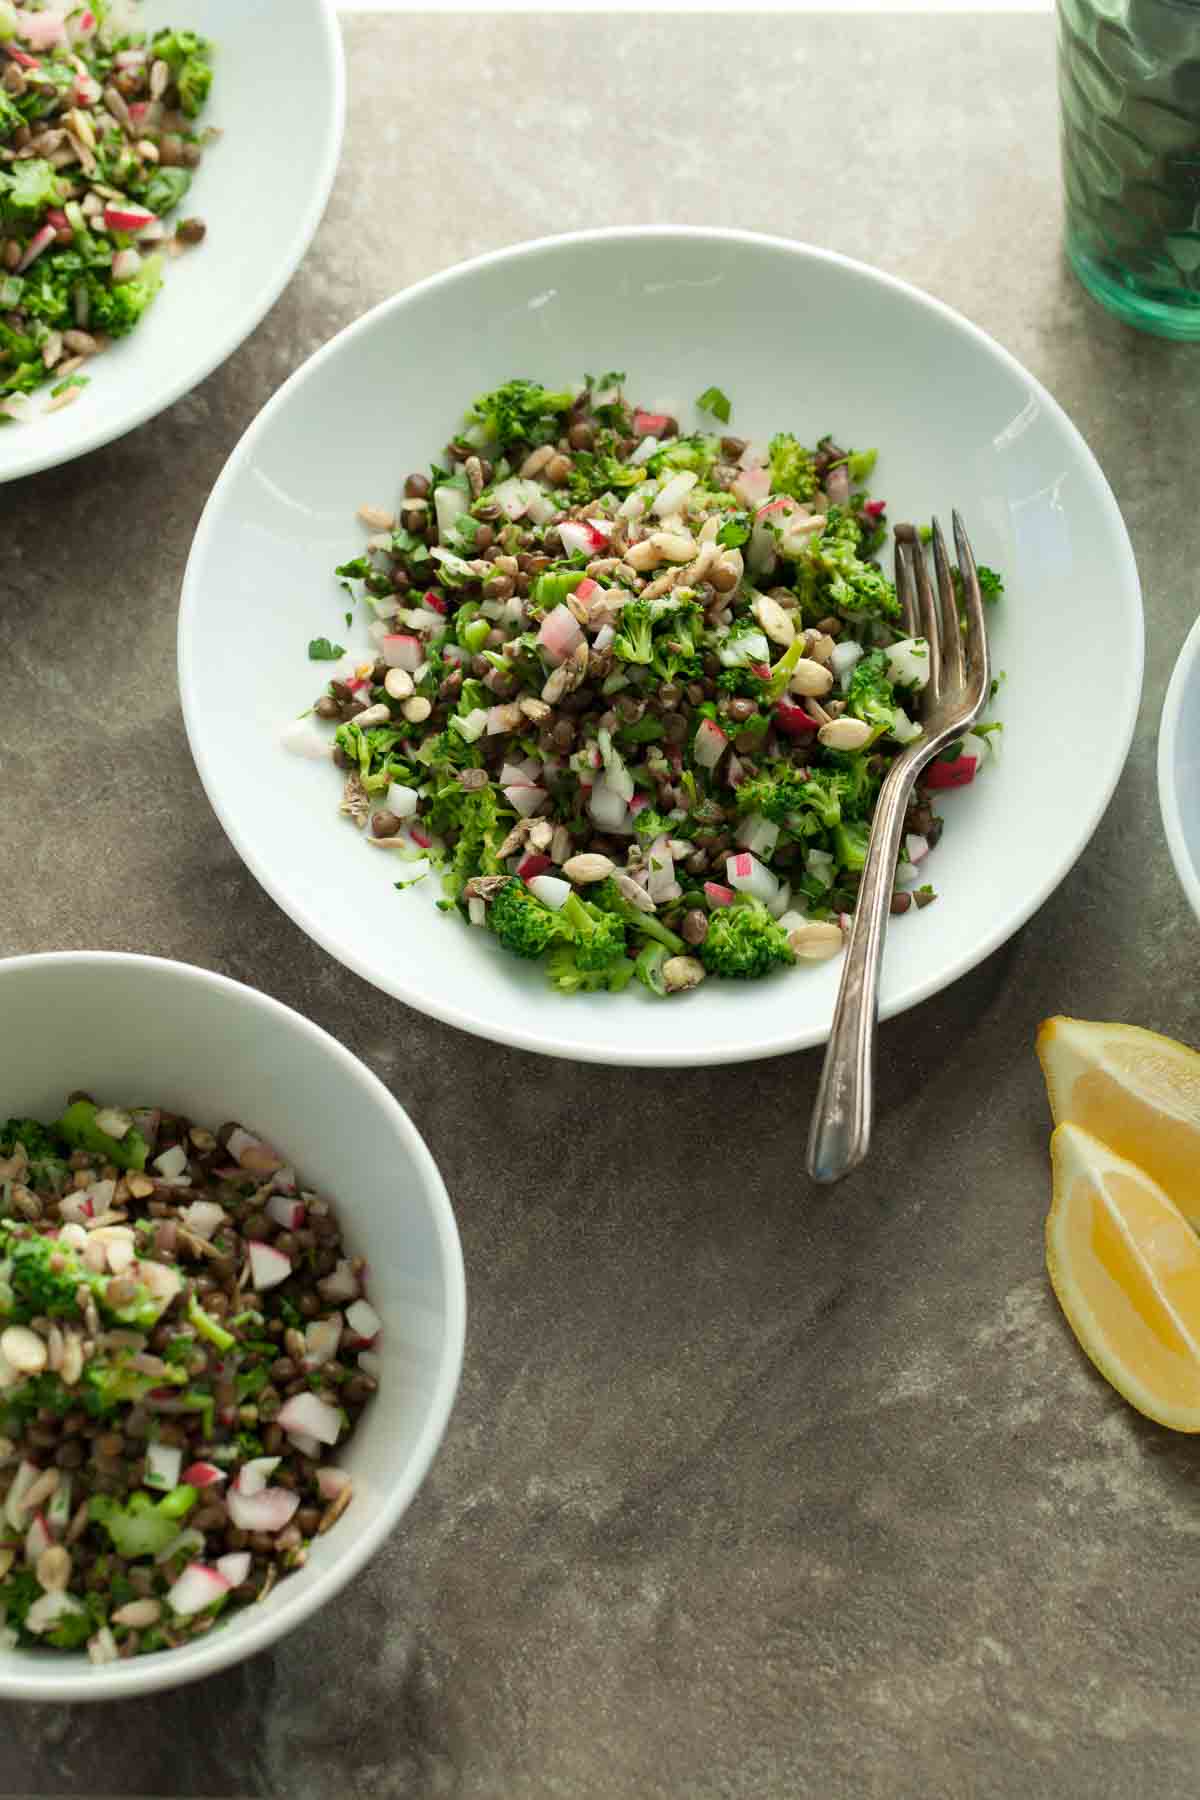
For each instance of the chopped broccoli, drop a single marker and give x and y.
(832, 577)
(607, 896)
(78, 1128)
(116, 309)
(481, 831)
(45, 1276)
(599, 472)
(792, 467)
(870, 696)
(735, 531)
(744, 941)
(187, 56)
(569, 975)
(520, 921)
(521, 412)
(143, 1527)
(208, 1327)
(164, 189)
(26, 190)
(698, 453)
(597, 935)
(47, 1164)
(850, 839)
(648, 967)
(634, 642)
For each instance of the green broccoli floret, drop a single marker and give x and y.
(26, 190)
(650, 824)
(832, 576)
(72, 1628)
(676, 649)
(163, 189)
(777, 790)
(45, 1276)
(599, 472)
(648, 967)
(143, 1527)
(521, 412)
(850, 839)
(870, 696)
(187, 56)
(520, 921)
(744, 683)
(792, 468)
(476, 815)
(47, 1163)
(78, 1128)
(569, 976)
(699, 452)
(635, 641)
(744, 941)
(607, 896)
(596, 935)
(116, 308)
(862, 589)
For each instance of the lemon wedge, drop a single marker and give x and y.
(1137, 1092)
(1125, 1265)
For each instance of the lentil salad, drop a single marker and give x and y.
(632, 689)
(98, 144)
(183, 1341)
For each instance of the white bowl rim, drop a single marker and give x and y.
(222, 1648)
(1168, 744)
(562, 1045)
(118, 422)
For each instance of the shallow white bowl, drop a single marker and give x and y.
(278, 95)
(798, 338)
(1179, 767)
(137, 1028)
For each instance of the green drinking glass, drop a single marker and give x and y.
(1129, 100)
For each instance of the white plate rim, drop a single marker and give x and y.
(109, 427)
(578, 1049)
(1168, 787)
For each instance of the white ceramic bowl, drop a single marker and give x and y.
(1179, 767)
(278, 95)
(135, 1027)
(798, 338)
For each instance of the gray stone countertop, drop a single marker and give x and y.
(750, 1490)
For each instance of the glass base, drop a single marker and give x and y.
(1140, 306)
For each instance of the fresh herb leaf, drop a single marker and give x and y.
(713, 401)
(321, 650)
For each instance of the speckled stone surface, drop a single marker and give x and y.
(750, 1490)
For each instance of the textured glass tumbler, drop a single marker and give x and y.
(1129, 98)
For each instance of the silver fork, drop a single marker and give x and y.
(951, 701)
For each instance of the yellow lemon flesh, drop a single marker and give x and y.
(1125, 1265)
(1137, 1092)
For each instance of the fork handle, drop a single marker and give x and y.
(840, 1133)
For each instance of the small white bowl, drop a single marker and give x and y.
(800, 339)
(279, 97)
(136, 1028)
(1179, 767)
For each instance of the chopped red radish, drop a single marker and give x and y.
(710, 744)
(306, 1445)
(203, 1474)
(268, 1266)
(639, 803)
(321, 1340)
(875, 509)
(560, 635)
(163, 1463)
(752, 486)
(127, 218)
(41, 240)
(57, 217)
(43, 30)
(420, 836)
(525, 801)
(435, 600)
(199, 1586)
(916, 847)
(647, 424)
(793, 720)
(515, 497)
(331, 1482)
(202, 1218)
(749, 876)
(86, 91)
(285, 1211)
(758, 835)
(581, 534)
(551, 891)
(837, 485)
(364, 1321)
(269, 1510)
(402, 651)
(717, 894)
(587, 590)
(310, 1414)
(253, 1476)
(235, 1567)
(532, 865)
(950, 774)
(22, 58)
(37, 1538)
